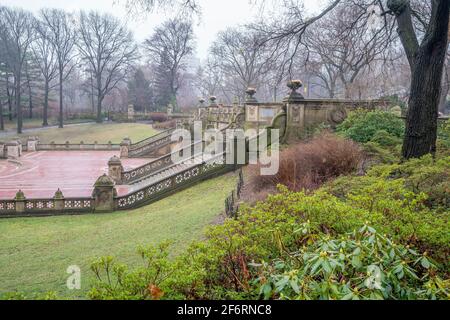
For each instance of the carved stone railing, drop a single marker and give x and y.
(77, 147)
(174, 183)
(150, 145)
(148, 169)
(45, 207)
(148, 141)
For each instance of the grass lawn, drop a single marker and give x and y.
(89, 133)
(36, 252)
(36, 123)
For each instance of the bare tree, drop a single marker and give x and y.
(185, 7)
(61, 35)
(343, 46)
(168, 48)
(46, 57)
(108, 49)
(241, 57)
(16, 35)
(209, 78)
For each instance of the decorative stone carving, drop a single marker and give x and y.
(252, 113)
(338, 115)
(294, 96)
(250, 96)
(125, 148)
(103, 194)
(115, 169)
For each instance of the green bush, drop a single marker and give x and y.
(379, 155)
(250, 257)
(361, 126)
(385, 139)
(360, 265)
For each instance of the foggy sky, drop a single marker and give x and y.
(217, 15)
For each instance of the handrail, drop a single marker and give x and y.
(155, 166)
(175, 182)
(149, 140)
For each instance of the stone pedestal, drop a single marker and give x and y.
(103, 194)
(130, 112)
(59, 200)
(20, 202)
(115, 169)
(3, 153)
(32, 144)
(13, 149)
(295, 108)
(125, 148)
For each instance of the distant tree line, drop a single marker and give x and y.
(86, 58)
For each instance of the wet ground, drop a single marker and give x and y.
(40, 174)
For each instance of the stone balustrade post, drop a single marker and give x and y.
(295, 108)
(104, 194)
(20, 202)
(12, 149)
(125, 148)
(3, 150)
(32, 144)
(115, 169)
(59, 200)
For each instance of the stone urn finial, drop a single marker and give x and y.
(294, 96)
(213, 99)
(294, 85)
(202, 101)
(251, 95)
(20, 196)
(58, 195)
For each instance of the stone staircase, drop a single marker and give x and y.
(168, 172)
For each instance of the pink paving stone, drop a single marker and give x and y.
(40, 174)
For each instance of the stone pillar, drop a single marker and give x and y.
(115, 169)
(295, 108)
(130, 112)
(125, 148)
(32, 144)
(3, 153)
(59, 200)
(20, 202)
(12, 149)
(170, 111)
(19, 145)
(103, 194)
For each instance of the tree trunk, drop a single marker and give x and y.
(2, 123)
(61, 116)
(8, 93)
(99, 110)
(99, 99)
(30, 101)
(45, 111)
(18, 104)
(427, 69)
